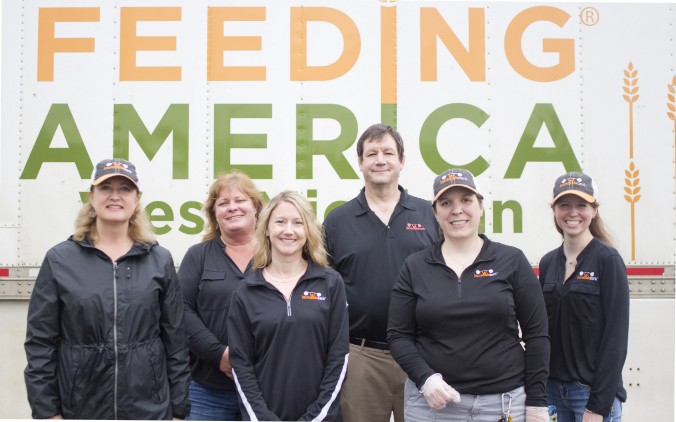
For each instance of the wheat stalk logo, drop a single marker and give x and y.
(671, 106)
(631, 180)
(631, 96)
(632, 189)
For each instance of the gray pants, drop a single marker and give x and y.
(482, 408)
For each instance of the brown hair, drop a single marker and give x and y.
(377, 132)
(313, 249)
(233, 180)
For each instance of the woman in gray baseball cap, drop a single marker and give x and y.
(105, 336)
(458, 313)
(586, 292)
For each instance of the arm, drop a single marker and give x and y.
(335, 368)
(203, 343)
(173, 336)
(43, 335)
(241, 350)
(613, 346)
(401, 329)
(532, 316)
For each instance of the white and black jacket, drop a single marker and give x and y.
(289, 358)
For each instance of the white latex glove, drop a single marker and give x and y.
(438, 393)
(537, 414)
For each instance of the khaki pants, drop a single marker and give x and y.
(374, 387)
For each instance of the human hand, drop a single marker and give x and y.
(589, 416)
(225, 366)
(537, 414)
(56, 417)
(438, 393)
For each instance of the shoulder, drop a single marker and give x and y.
(160, 251)
(502, 250)
(341, 211)
(603, 250)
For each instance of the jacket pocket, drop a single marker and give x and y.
(213, 291)
(158, 372)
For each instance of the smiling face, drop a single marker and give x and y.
(380, 163)
(286, 231)
(458, 212)
(573, 215)
(114, 200)
(235, 212)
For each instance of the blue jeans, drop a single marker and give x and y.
(207, 404)
(570, 399)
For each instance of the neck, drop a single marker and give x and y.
(470, 246)
(382, 193)
(107, 233)
(286, 268)
(573, 245)
(237, 239)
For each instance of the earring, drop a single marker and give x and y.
(92, 214)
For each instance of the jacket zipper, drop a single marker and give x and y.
(460, 287)
(288, 306)
(115, 338)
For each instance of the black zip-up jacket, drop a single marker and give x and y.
(208, 277)
(289, 359)
(467, 328)
(105, 340)
(588, 321)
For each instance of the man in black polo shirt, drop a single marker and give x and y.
(368, 239)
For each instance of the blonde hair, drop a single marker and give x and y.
(233, 180)
(313, 249)
(139, 230)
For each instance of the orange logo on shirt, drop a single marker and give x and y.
(312, 296)
(485, 273)
(585, 275)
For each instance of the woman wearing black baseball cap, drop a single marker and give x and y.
(454, 320)
(105, 336)
(587, 297)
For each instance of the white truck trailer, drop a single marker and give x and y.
(518, 93)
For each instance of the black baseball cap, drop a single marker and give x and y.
(454, 177)
(114, 167)
(575, 183)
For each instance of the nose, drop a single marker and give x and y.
(380, 158)
(456, 208)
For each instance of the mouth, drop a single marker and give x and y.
(572, 223)
(234, 217)
(459, 223)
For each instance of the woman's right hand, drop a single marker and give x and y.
(225, 366)
(56, 417)
(438, 393)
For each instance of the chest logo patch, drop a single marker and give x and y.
(414, 226)
(586, 275)
(485, 273)
(312, 296)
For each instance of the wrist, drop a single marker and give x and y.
(589, 411)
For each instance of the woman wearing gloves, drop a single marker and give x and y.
(587, 297)
(288, 325)
(454, 320)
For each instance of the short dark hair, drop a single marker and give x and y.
(376, 132)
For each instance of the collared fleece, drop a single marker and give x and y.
(289, 358)
(467, 327)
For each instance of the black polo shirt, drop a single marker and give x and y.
(369, 254)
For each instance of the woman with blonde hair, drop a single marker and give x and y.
(105, 336)
(211, 270)
(288, 326)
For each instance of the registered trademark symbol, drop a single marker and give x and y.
(589, 16)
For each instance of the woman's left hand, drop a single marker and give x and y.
(225, 366)
(589, 416)
(537, 414)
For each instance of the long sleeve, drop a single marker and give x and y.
(401, 331)
(42, 342)
(175, 342)
(203, 343)
(613, 347)
(532, 316)
(241, 354)
(327, 404)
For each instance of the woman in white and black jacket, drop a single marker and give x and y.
(454, 320)
(288, 324)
